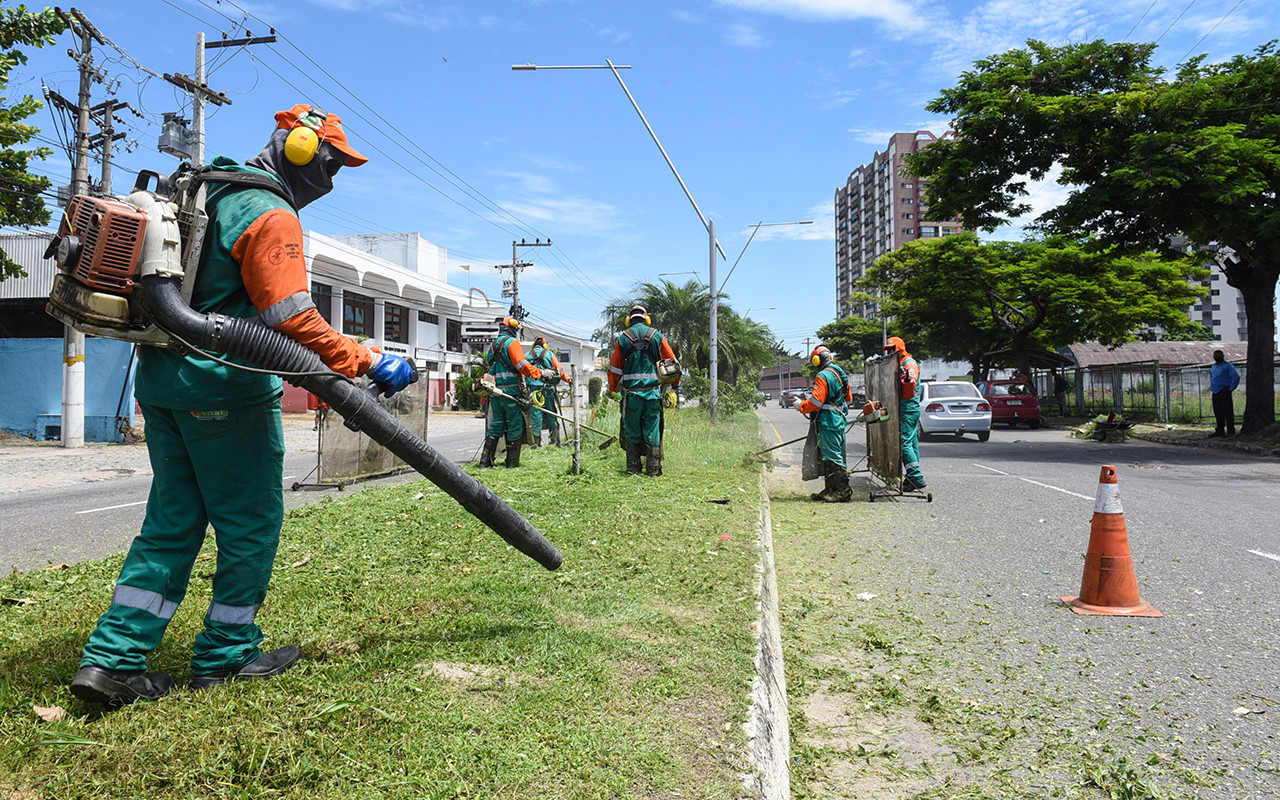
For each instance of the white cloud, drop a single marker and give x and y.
(742, 35)
(898, 14)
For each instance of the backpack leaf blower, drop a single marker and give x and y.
(126, 271)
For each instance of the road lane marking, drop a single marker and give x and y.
(1271, 556)
(112, 508)
(775, 429)
(1036, 483)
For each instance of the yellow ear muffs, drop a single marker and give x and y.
(301, 145)
(303, 141)
(815, 361)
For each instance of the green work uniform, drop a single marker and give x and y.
(216, 444)
(909, 425)
(642, 421)
(832, 420)
(546, 386)
(506, 418)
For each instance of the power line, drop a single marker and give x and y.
(1175, 22)
(1211, 30)
(1140, 19)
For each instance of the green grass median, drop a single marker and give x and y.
(439, 662)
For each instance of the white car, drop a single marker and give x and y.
(954, 407)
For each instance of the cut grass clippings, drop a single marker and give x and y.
(897, 689)
(439, 662)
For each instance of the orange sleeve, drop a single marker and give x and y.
(515, 354)
(807, 405)
(274, 272)
(564, 375)
(615, 368)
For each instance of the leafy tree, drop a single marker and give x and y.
(963, 298)
(465, 384)
(1146, 157)
(20, 202)
(854, 339)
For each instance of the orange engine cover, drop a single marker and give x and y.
(110, 233)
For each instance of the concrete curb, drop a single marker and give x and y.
(767, 729)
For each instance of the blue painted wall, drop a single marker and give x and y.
(31, 386)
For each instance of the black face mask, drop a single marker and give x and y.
(306, 183)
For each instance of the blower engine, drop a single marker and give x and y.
(127, 270)
(105, 246)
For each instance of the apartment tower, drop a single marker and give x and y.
(880, 208)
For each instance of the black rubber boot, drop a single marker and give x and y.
(653, 462)
(117, 687)
(633, 459)
(513, 454)
(490, 448)
(554, 436)
(838, 481)
(537, 441)
(267, 665)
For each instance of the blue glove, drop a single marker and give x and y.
(391, 373)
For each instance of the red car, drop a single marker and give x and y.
(1012, 402)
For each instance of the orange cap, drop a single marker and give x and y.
(330, 129)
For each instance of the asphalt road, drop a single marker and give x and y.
(1004, 538)
(59, 506)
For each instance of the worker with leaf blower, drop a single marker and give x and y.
(645, 368)
(827, 407)
(543, 391)
(508, 417)
(214, 431)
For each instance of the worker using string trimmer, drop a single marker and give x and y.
(827, 406)
(509, 368)
(641, 365)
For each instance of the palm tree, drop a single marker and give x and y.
(680, 312)
(683, 313)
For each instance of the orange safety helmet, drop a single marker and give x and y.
(821, 356)
(638, 312)
(542, 340)
(511, 323)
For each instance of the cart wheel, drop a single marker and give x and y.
(296, 486)
(871, 497)
(929, 497)
(342, 486)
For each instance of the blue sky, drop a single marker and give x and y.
(764, 107)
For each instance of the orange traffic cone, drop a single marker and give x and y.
(1109, 585)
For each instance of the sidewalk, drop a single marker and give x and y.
(28, 464)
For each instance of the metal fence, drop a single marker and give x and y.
(1142, 388)
(344, 455)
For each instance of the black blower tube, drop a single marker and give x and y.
(248, 339)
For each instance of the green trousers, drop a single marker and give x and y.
(831, 436)
(909, 411)
(222, 468)
(642, 422)
(505, 419)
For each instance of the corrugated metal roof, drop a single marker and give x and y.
(27, 249)
(1169, 354)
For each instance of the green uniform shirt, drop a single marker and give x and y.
(168, 379)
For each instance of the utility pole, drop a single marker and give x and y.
(73, 368)
(512, 288)
(200, 91)
(106, 137)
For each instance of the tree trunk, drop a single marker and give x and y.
(1258, 289)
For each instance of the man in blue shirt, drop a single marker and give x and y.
(1223, 377)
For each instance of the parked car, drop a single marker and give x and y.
(790, 398)
(1012, 402)
(955, 407)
